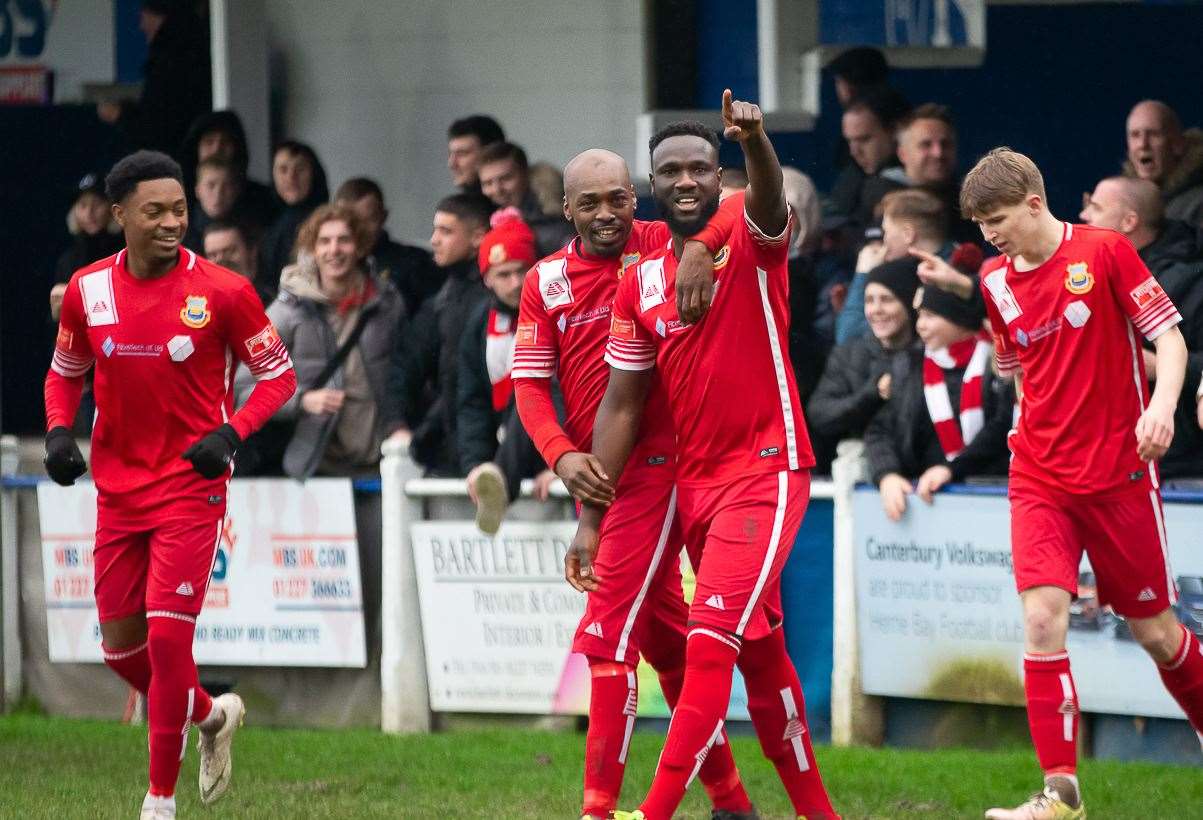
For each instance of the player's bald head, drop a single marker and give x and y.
(1140, 196)
(594, 168)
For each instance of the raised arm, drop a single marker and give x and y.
(764, 200)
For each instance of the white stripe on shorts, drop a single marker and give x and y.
(657, 556)
(770, 554)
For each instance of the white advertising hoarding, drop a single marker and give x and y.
(939, 616)
(284, 591)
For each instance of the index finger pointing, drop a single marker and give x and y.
(919, 253)
(727, 97)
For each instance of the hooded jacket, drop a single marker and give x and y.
(1175, 258)
(1182, 188)
(257, 205)
(275, 251)
(301, 314)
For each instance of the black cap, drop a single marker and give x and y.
(90, 183)
(953, 308)
(900, 276)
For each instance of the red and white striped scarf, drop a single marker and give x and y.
(972, 356)
(499, 356)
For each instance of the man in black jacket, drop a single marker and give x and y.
(494, 449)
(424, 366)
(410, 269)
(948, 419)
(1173, 252)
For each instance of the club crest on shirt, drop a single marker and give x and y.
(720, 258)
(195, 313)
(1078, 279)
(629, 260)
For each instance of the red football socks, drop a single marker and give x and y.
(697, 722)
(1052, 710)
(778, 712)
(132, 664)
(175, 699)
(1183, 677)
(613, 697)
(665, 650)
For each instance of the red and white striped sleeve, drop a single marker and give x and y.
(536, 345)
(631, 346)
(1006, 358)
(1139, 294)
(257, 344)
(72, 357)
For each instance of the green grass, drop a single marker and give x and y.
(61, 768)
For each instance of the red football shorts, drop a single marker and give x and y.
(638, 562)
(747, 529)
(1124, 536)
(164, 567)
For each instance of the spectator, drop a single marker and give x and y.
(411, 270)
(220, 135)
(911, 220)
(547, 184)
(927, 148)
(94, 236)
(857, 70)
(218, 188)
(465, 139)
(300, 186)
(485, 408)
(948, 418)
(806, 348)
(868, 126)
(1173, 252)
(505, 179)
(424, 372)
(1161, 152)
(860, 373)
(328, 300)
(232, 246)
(176, 84)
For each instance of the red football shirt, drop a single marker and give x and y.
(1070, 325)
(563, 324)
(729, 379)
(165, 351)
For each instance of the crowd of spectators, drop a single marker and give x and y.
(887, 332)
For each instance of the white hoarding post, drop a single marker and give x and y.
(405, 701)
(854, 718)
(10, 599)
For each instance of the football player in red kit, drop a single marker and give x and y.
(1067, 305)
(742, 451)
(562, 330)
(164, 329)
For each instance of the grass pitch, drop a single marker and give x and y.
(61, 768)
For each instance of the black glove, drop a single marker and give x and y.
(211, 456)
(64, 462)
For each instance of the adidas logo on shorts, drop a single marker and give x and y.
(594, 629)
(1147, 594)
(715, 602)
(184, 589)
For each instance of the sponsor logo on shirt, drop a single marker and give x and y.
(64, 339)
(1076, 313)
(672, 326)
(526, 334)
(1144, 294)
(1021, 336)
(656, 461)
(622, 328)
(1025, 337)
(595, 315)
(651, 284)
(562, 323)
(553, 283)
(262, 341)
(180, 348)
(721, 258)
(108, 346)
(135, 349)
(769, 451)
(195, 313)
(1004, 299)
(1078, 279)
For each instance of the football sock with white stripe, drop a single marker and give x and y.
(1052, 710)
(1183, 677)
(697, 722)
(778, 712)
(132, 664)
(174, 700)
(613, 694)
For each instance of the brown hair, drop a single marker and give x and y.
(919, 208)
(927, 111)
(219, 164)
(1001, 178)
(307, 235)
